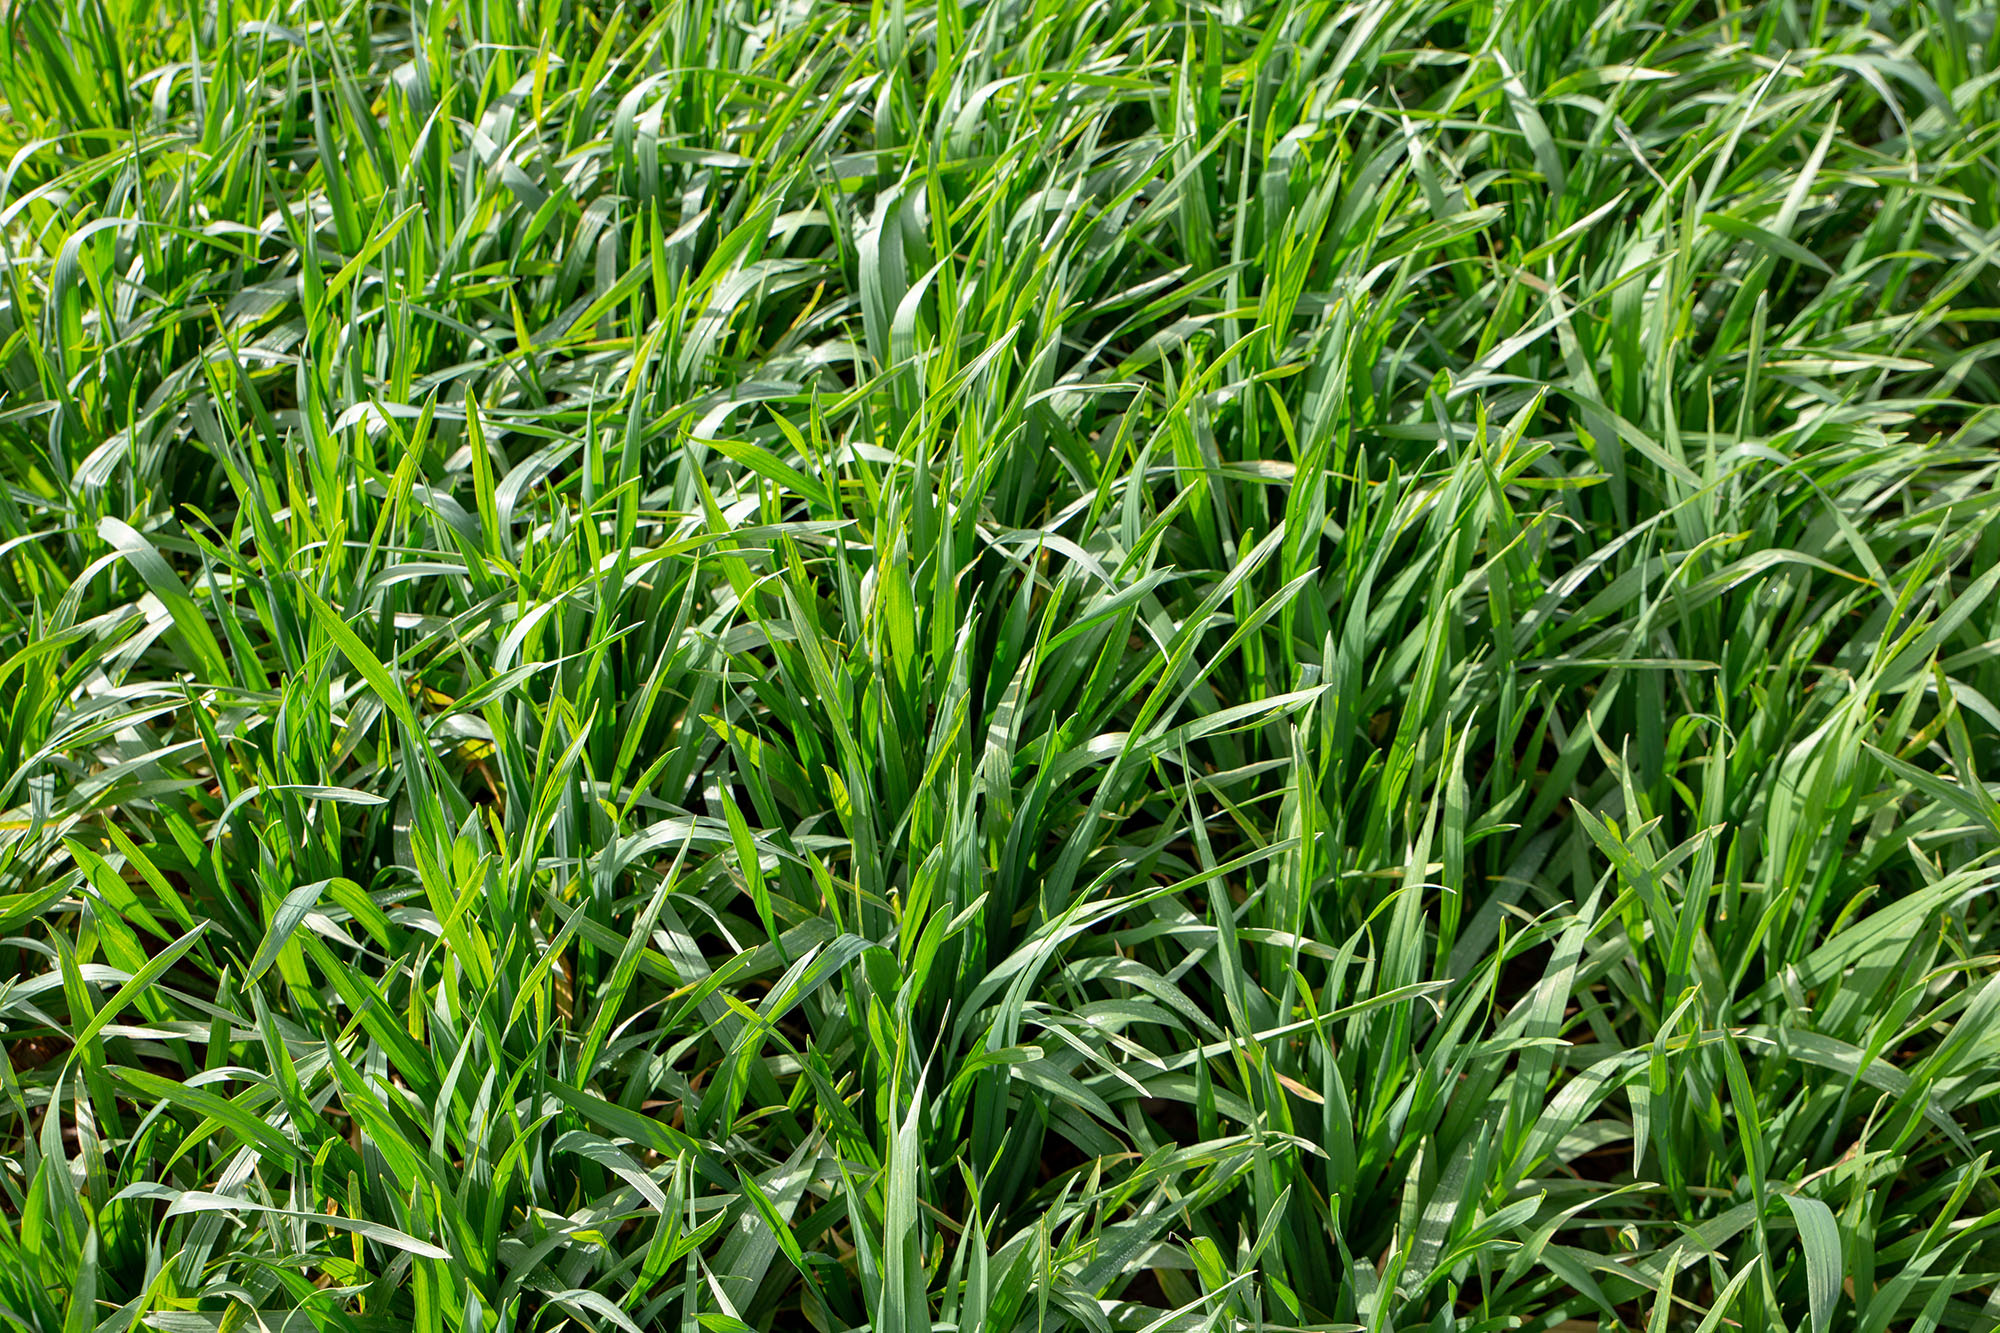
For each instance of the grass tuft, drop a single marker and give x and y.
(1055, 665)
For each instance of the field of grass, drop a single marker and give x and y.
(1039, 665)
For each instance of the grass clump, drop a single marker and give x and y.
(1047, 665)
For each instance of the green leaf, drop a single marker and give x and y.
(1819, 1236)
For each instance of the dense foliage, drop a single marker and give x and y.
(1054, 664)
